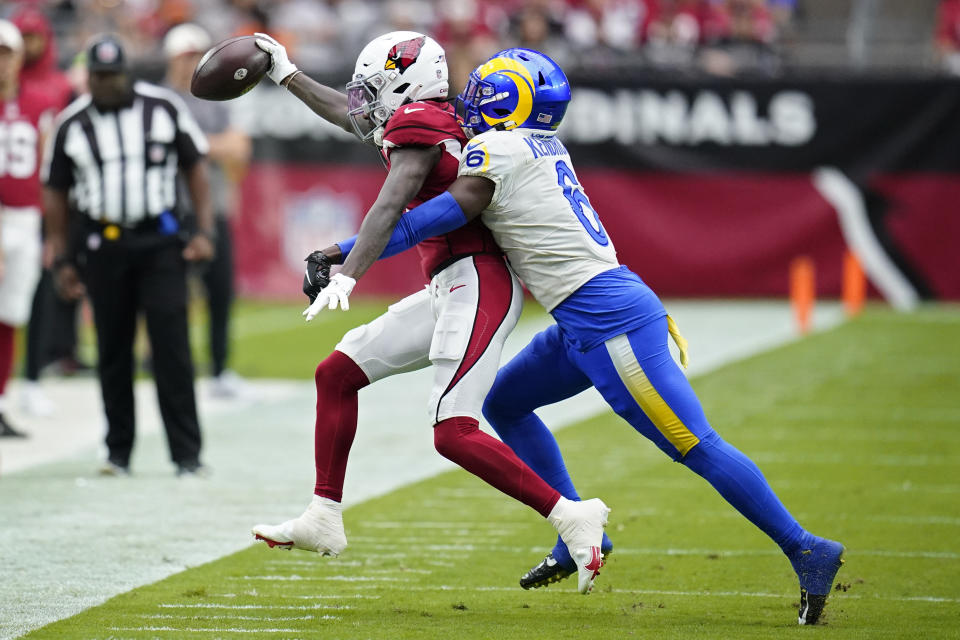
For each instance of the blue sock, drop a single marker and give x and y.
(533, 443)
(742, 484)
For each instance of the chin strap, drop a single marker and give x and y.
(680, 340)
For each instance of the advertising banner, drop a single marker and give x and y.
(708, 188)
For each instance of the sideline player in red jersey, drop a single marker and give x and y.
(396, 100)
(25, 116)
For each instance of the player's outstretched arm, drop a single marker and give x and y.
(329, 104)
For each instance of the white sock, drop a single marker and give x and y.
(326, 503)
(556, 514)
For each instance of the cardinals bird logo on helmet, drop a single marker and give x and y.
(403, 54)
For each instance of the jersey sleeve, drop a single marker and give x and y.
(488, 158)
(419, 124)
(56, 170)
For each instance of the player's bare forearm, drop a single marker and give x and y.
(329, 104)
(409, 168)
(473, 194)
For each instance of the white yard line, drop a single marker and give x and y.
(71, 539)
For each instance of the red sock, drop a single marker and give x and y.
(6, 354)
(338, 379)
(461, 441)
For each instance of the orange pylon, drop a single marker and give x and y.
(854, 287)
(803, 291)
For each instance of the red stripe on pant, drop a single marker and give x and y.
(494, 297)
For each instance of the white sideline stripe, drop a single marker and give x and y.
(472, 526)
(310, 596)
(170, 616)
(207, 605)
(837, 189)
(299, 578)
(720, 594)
(916, 460)
(217, 629)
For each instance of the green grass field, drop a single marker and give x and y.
(856, 429)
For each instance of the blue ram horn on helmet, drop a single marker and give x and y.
(515, 88)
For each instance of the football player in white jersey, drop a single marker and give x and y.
(611, 329)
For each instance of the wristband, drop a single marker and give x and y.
(286, 81)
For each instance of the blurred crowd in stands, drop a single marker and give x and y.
(717, 36)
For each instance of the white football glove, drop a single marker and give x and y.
(334, 294)
(281, 67)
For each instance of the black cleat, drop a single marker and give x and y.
(7, 431)
(811, 606)
(817, 567)
(545, 573)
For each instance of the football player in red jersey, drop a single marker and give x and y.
(458, 323)
(25, 115)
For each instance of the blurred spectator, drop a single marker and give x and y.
(740, 38)
(674, 31)
(52, 329)
(782, 12)
(40, 56)
(25, 118)
(615, 24)
(229, 156)
(311, 31)
(225, 19)
(467, 37)
(947, 35)
(539, 25)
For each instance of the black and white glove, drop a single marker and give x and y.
(317, 274)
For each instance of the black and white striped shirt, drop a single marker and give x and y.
(122, 165)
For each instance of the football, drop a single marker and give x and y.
(229, 69)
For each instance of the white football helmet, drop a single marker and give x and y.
(393, 69)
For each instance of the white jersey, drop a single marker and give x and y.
(539, 214)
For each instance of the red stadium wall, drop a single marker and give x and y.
(686, 235)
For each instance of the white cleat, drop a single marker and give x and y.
(581, 524)
(319, 529)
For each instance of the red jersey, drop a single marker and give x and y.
(425, 124)
(22, 121)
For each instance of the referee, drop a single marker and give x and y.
(117, 153)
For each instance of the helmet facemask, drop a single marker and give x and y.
(366, 111)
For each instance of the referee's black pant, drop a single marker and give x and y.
(143, 272)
